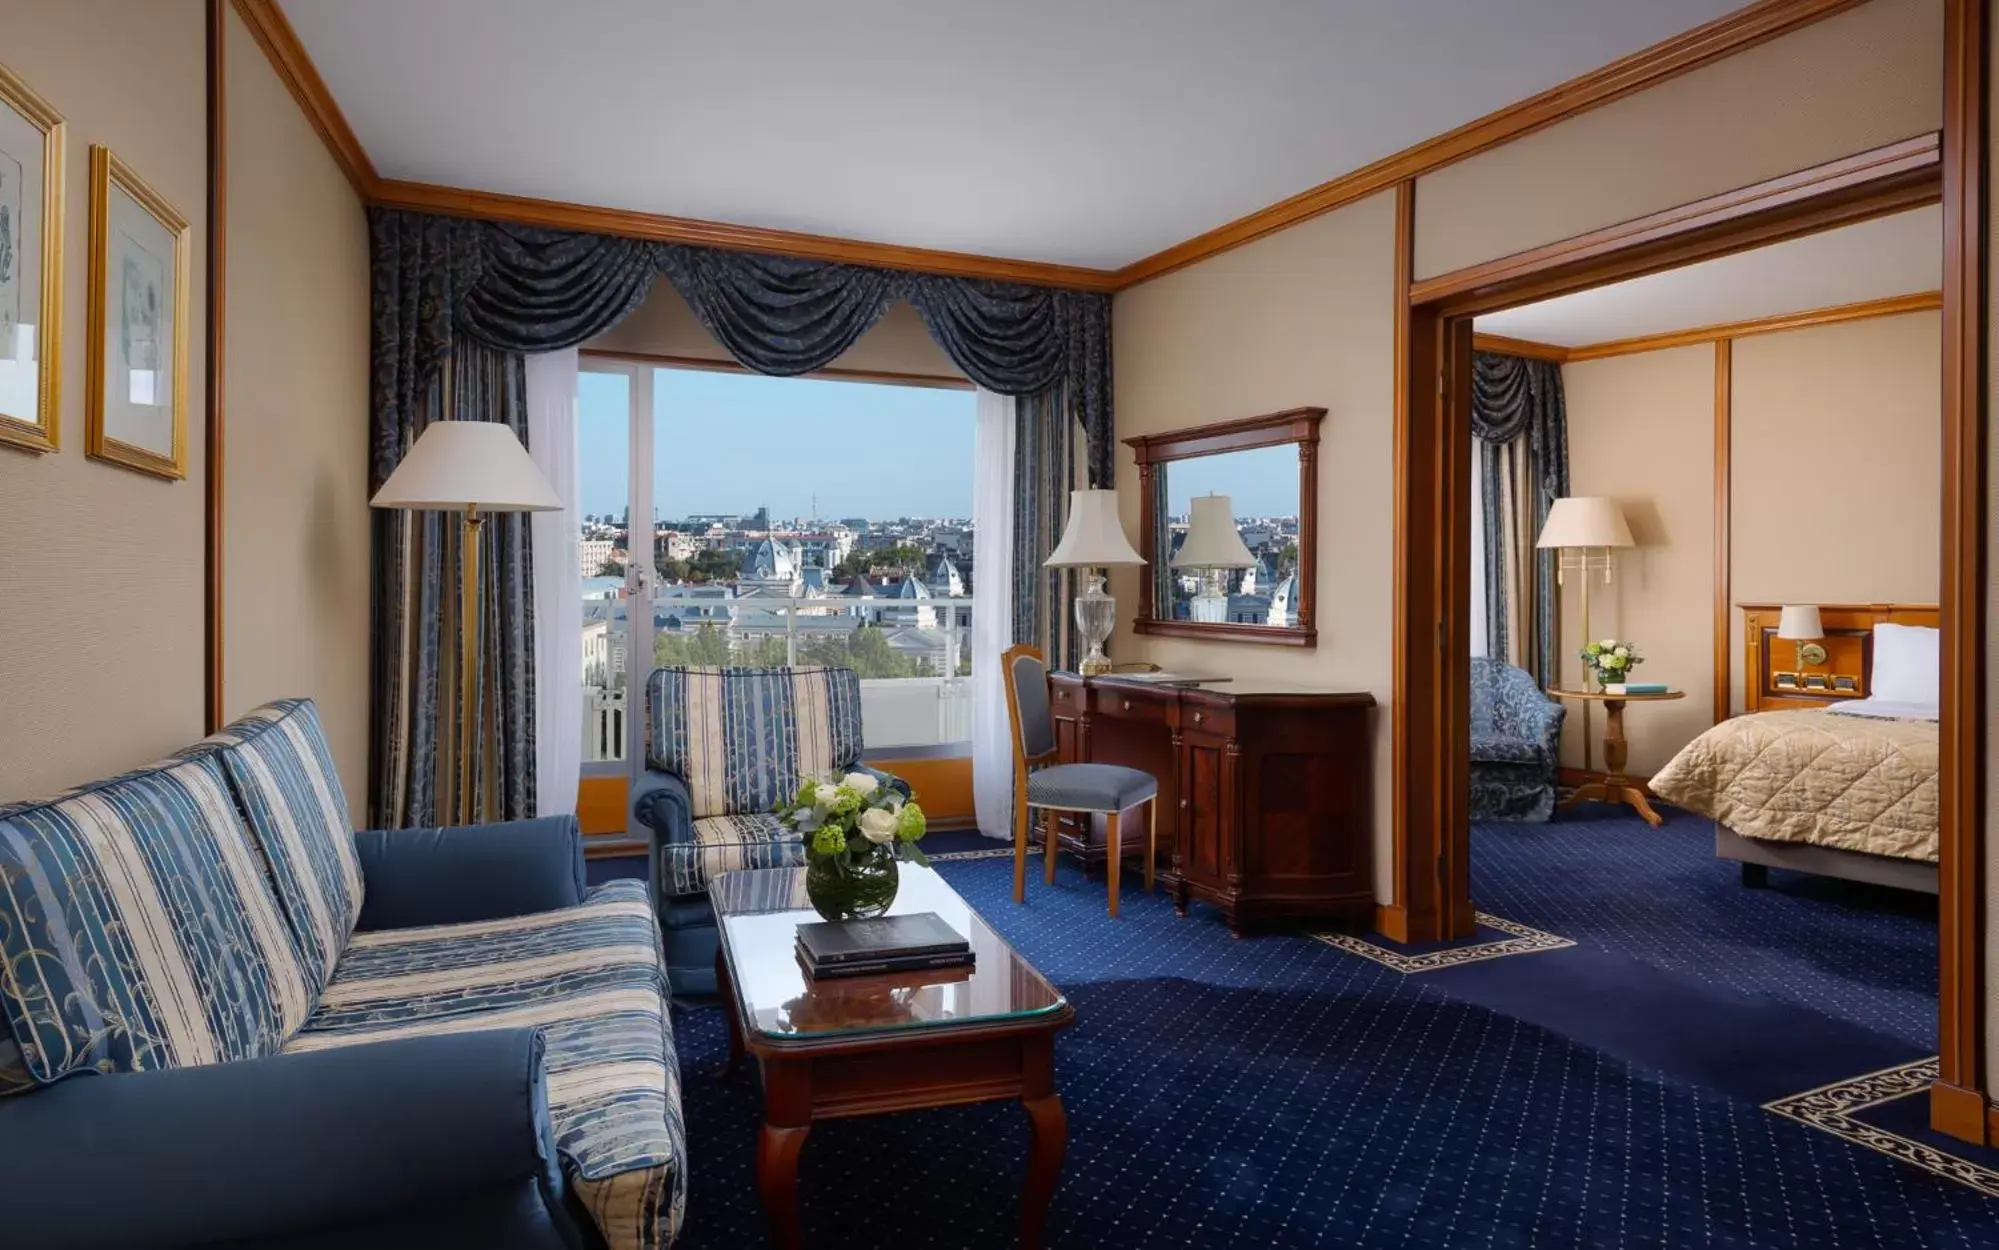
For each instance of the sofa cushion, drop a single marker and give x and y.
(1490, 749)
(742, 737)
(593, 980)
(282, 774)
(138, 931)
(724, 844)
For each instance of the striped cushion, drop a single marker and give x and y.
(282, 774)
(742, 737)
(723, 844)
(137, 929)
(593, 979)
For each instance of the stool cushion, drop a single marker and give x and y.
(1090, 787)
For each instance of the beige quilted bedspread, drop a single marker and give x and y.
(1838, 781)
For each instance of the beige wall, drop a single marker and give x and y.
(101, 568)
(665, 326)
(295, 503)
(1865, 400)
(1641, 430)
(1298, 318)
(1868, 76)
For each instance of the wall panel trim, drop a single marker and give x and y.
(214, 705)
(1724, 537)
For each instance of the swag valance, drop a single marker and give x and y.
(527, 289)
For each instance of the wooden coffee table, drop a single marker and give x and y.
(871, 1045)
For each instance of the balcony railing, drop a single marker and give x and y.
(913, 656)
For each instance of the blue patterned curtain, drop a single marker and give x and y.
(489, 293)
(1044, 473)
(1517, 409)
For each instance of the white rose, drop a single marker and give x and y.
(878, 825)
(825, 794)
(1622, 651)
(862, 784)
(1607, 643)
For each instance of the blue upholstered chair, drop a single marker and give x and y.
(1107, 790)
(1516, 734)
(723, 747)
(274, 1031)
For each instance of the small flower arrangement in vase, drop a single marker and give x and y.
(853, 828)
(1609, 660)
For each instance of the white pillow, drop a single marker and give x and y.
(1907, 664)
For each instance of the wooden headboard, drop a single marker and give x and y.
(1773, 679)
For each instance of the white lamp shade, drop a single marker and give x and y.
(458, 465)
(1093, 537)
(1585, 521)
(1213, 542)
(1800, 621)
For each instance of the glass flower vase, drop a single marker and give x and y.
(862, 887)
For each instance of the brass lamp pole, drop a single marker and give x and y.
(474, 468)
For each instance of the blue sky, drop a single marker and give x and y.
(1260, 482)
(733, 442)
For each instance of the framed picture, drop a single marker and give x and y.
(31, 168)
(136, 410)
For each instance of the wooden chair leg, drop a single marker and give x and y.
(1151, 840)
(1020, 823)
(1114, 858)
(1048, 822)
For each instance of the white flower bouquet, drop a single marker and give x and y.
(853, 828)
(1609, 660)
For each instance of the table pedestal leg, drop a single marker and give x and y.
(1615, 787)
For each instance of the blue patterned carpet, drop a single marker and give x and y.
(1277, 1092)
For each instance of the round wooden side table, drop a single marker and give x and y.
(1615, 786)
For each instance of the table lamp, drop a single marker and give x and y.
(1092, 540)
(1213, 546)
(1583, 529)
(473, 467)
(1800, 623)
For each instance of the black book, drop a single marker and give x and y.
(888, 963)
(828, 943)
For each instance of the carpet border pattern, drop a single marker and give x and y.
(1525, 940)
(1831, 1108)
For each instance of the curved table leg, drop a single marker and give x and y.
(777, 1182)
(1050, 1125)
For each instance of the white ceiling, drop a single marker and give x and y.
(1091, 132)
(1898, 255)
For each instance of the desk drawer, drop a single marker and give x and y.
(1206, 715)
(1158, 707)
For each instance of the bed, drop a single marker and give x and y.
(1832, 767)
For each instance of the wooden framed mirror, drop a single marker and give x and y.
(1229, 535)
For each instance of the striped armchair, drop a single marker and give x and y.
(724, 747)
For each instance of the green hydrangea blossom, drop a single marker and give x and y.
(849, 801)
(910, 825)
(830, 840)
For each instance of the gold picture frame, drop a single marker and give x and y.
(30, 424)
(127, 424)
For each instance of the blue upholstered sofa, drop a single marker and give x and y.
(226, 1018)
(723, 747)
(1516, 735)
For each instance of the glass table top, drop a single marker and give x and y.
(759, 911)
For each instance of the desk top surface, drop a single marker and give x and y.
(1224, 687)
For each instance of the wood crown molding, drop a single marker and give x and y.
(494, 206)
(1734, 32)
(1726, 35)
(274, 34)
(1892, 306)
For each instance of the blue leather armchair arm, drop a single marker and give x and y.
(414, 877)
(279, 1149)
(663, 805)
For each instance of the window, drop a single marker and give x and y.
(785, 520)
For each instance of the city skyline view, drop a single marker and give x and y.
(734, 442)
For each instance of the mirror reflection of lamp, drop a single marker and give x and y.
(1213, 548)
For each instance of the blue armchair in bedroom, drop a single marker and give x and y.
(723, 747)
(1516, 734)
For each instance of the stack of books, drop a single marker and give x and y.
(858, 948)
(1636, 687)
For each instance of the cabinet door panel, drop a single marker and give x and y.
(1202, 816)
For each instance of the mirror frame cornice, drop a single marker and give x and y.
(1293, 425)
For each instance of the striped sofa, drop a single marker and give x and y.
(723, 747)
(280, 1032)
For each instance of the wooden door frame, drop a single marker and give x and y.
(1433, 354)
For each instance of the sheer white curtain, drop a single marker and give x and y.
(558, 585)
(992, 612)
(1480, 644)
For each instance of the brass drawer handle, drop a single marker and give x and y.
(1199, 717)
(1127, 705)
(1061, 696)
(1183, 802)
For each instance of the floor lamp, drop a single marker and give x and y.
(1582, 530)
(474, 468)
